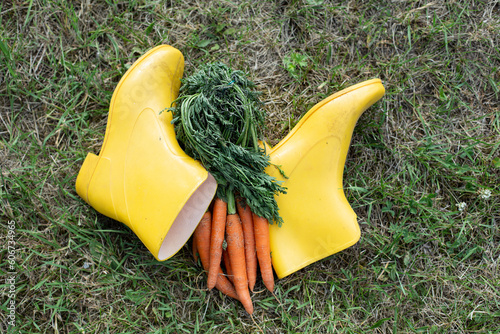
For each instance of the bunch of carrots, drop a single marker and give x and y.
(218, 120)
(238, 239)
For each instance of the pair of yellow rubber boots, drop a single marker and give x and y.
(143, 179)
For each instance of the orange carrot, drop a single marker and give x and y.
(201, 236)
(202, 241)
(225, 286)
(236, 251)
(261, 229)
(217, 237)
(222, 284)
(227, 264)
(248, 232)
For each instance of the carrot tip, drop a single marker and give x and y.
(249, 309)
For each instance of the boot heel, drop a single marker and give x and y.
(85, 176)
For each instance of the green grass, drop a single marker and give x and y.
(432, 142)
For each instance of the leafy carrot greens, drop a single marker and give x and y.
(218, 119)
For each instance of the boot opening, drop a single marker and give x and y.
(188, 218)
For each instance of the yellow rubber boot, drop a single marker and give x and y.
(142, 177)
(317, 219)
